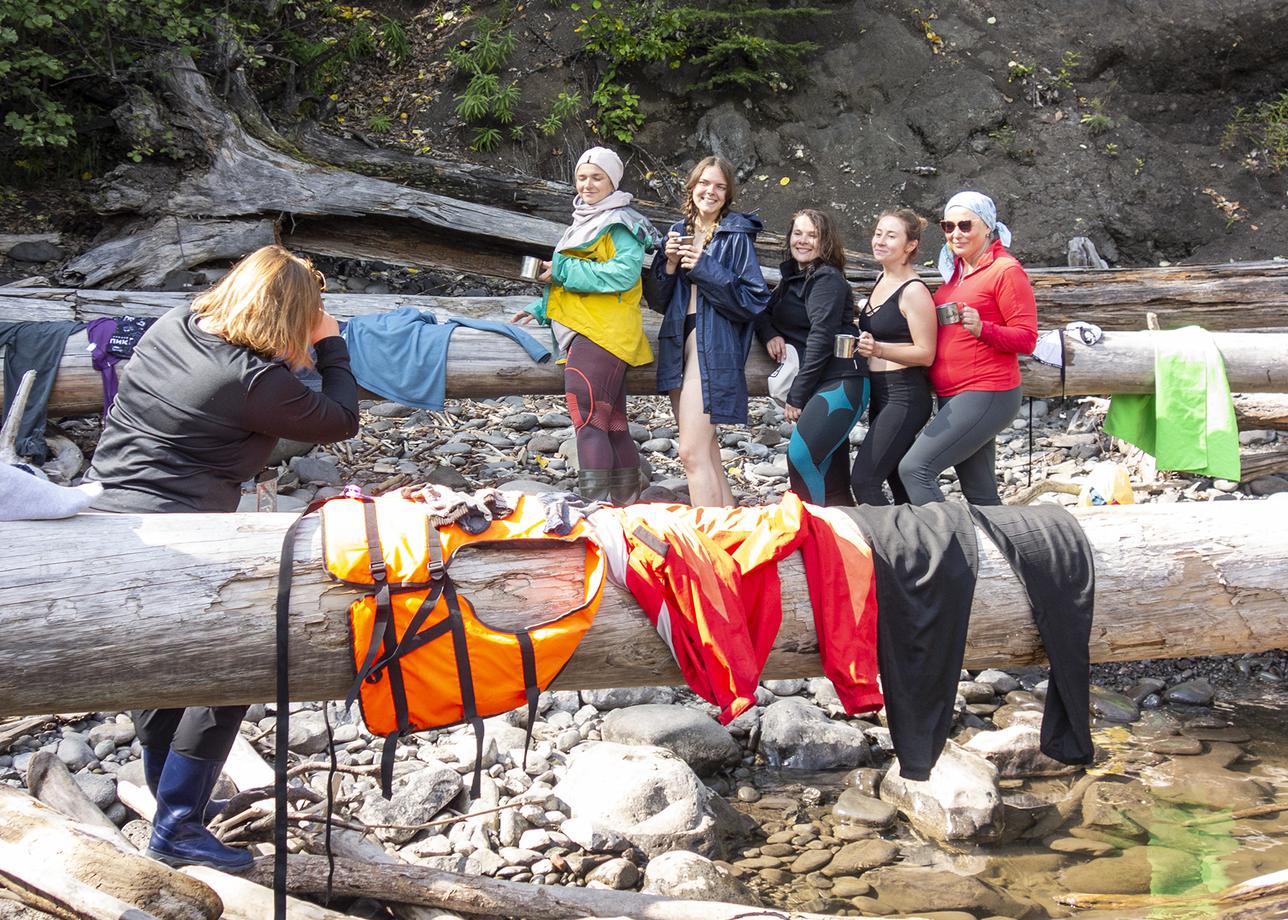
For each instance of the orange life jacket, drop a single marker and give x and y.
(422, 657)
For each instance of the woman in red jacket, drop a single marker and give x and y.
(976, 373)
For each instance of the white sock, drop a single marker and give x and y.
(24, 497)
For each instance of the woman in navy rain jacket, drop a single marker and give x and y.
(709, 288)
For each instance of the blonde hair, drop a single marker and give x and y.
(270, 303)
(690, 210)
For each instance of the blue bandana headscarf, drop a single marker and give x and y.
(982, 206)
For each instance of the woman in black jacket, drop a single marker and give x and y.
(202, 402)
(812, 304)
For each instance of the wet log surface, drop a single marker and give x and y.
(177, 610)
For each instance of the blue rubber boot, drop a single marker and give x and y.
(179, 835)
(154, 762)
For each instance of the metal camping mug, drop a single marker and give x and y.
(531, 269)
(949, 313)
(843, 346)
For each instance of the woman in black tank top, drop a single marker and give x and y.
(897, 336)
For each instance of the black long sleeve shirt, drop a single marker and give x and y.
(196, 416)
(808, 309)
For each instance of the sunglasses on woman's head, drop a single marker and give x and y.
(948, 226)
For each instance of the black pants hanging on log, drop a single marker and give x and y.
(926, 560)
(1050, 555)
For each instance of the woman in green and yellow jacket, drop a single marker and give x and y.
(592, 302)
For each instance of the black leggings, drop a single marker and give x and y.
(961, 435)
(595, 385)
(818, 455)
(203, 732)
(901, 403)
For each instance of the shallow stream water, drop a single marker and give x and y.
(1158, 833)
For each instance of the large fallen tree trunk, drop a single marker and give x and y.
(175, 609)
(483, 365)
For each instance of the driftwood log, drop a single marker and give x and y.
(501, 898)
(482, 365)
(247, 900)
(63, 867)
(177, 609)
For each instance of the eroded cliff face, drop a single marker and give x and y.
(1100, 118)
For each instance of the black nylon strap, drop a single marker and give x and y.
(281, 746)
(465, 677)
(529, 656)
(387, 764)
(384, 608)
(398, 693)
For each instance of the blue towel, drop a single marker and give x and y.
(402, 354)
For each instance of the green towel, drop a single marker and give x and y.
(1188, 422)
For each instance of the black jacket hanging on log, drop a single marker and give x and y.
(926, 560)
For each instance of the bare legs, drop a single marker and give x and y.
(699, 451)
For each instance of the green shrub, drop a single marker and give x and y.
(1263, 133)
(731, 43)
(565, 106)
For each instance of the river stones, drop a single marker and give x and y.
(75, 752)
(697, 739)
(1176, 746)
(681, 874)
(1018, 714)
(423, 794)
(1001, 682)
(1113, 706)
(810, 861)
(797, 735)
(1138, 870)
(910, 890)
(593, 837)
(1197, 692)
(1079, 846)
(618, 874)
(1016, 752)
(650, 796)
(854, 806)
(1118, 811)
(621, 697)
(860, 856)
(959, 801)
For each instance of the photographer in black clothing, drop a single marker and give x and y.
(202, 403)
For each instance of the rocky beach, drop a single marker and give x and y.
(794, 805)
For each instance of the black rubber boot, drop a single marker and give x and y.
(179, 835)
(625, 485)
(594, 485)
(154, 763)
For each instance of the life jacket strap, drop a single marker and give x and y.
(530, 688)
